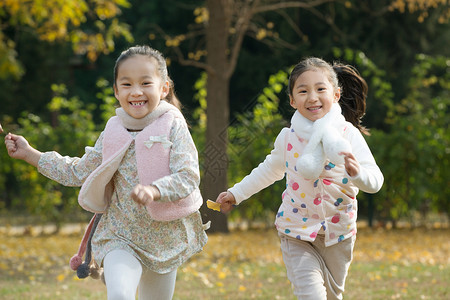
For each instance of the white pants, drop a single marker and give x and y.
(315, 271)
(124, 275)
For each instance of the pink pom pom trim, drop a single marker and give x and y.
(75, 262)
(77, 259)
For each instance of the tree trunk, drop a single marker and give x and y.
(214, 179)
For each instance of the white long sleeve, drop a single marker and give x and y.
(370, 179)
(270, 170)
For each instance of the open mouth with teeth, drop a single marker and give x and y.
(138, 103)
(315, 108)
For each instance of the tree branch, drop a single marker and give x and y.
(289, 4)
(327, 20)
(242, 23)
(291, 23)
(193, 63)
(273, 41)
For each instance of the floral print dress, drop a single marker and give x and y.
(160, 246)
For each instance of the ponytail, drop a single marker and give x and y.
(353, 95)
(171, 97)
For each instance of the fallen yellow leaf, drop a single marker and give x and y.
(213, 205)
(60, 277)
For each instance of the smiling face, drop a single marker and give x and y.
(313, 95)
(139, 87)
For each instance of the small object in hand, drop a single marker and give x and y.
(1, 129)
(213, 205)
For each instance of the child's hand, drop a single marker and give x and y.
(19, 148)
(351, 164)
(227, 201)
(144, 194)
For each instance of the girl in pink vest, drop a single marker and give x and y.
(140, 179)
(326, 161)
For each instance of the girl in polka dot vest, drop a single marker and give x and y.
(326, 161)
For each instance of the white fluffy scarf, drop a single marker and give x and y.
(324, 141)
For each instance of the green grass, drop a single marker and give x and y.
(365, 281)
(396, 264)
(373, 281)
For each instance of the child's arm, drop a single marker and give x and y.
(266, 173)
(361, 165)
(68, 171)
(19, 148)
(71, 171)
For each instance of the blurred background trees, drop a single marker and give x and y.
(57, 57)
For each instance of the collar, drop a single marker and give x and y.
(138, 124)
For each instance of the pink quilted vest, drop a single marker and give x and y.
(152, 157)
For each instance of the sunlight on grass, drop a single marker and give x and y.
(388, 264)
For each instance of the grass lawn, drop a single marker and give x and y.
(388, 264)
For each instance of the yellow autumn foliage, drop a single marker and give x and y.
(63, 19)
(43, 256)
(388, 264)
(422, 6)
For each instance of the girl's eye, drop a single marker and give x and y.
(126, 84)
(146, 83)
(321, 89)
(302, 92)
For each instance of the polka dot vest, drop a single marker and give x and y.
(326, 205)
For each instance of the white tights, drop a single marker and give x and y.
(124, 275)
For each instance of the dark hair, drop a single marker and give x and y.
(162, 68)
(353, 87)
(353, 94)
